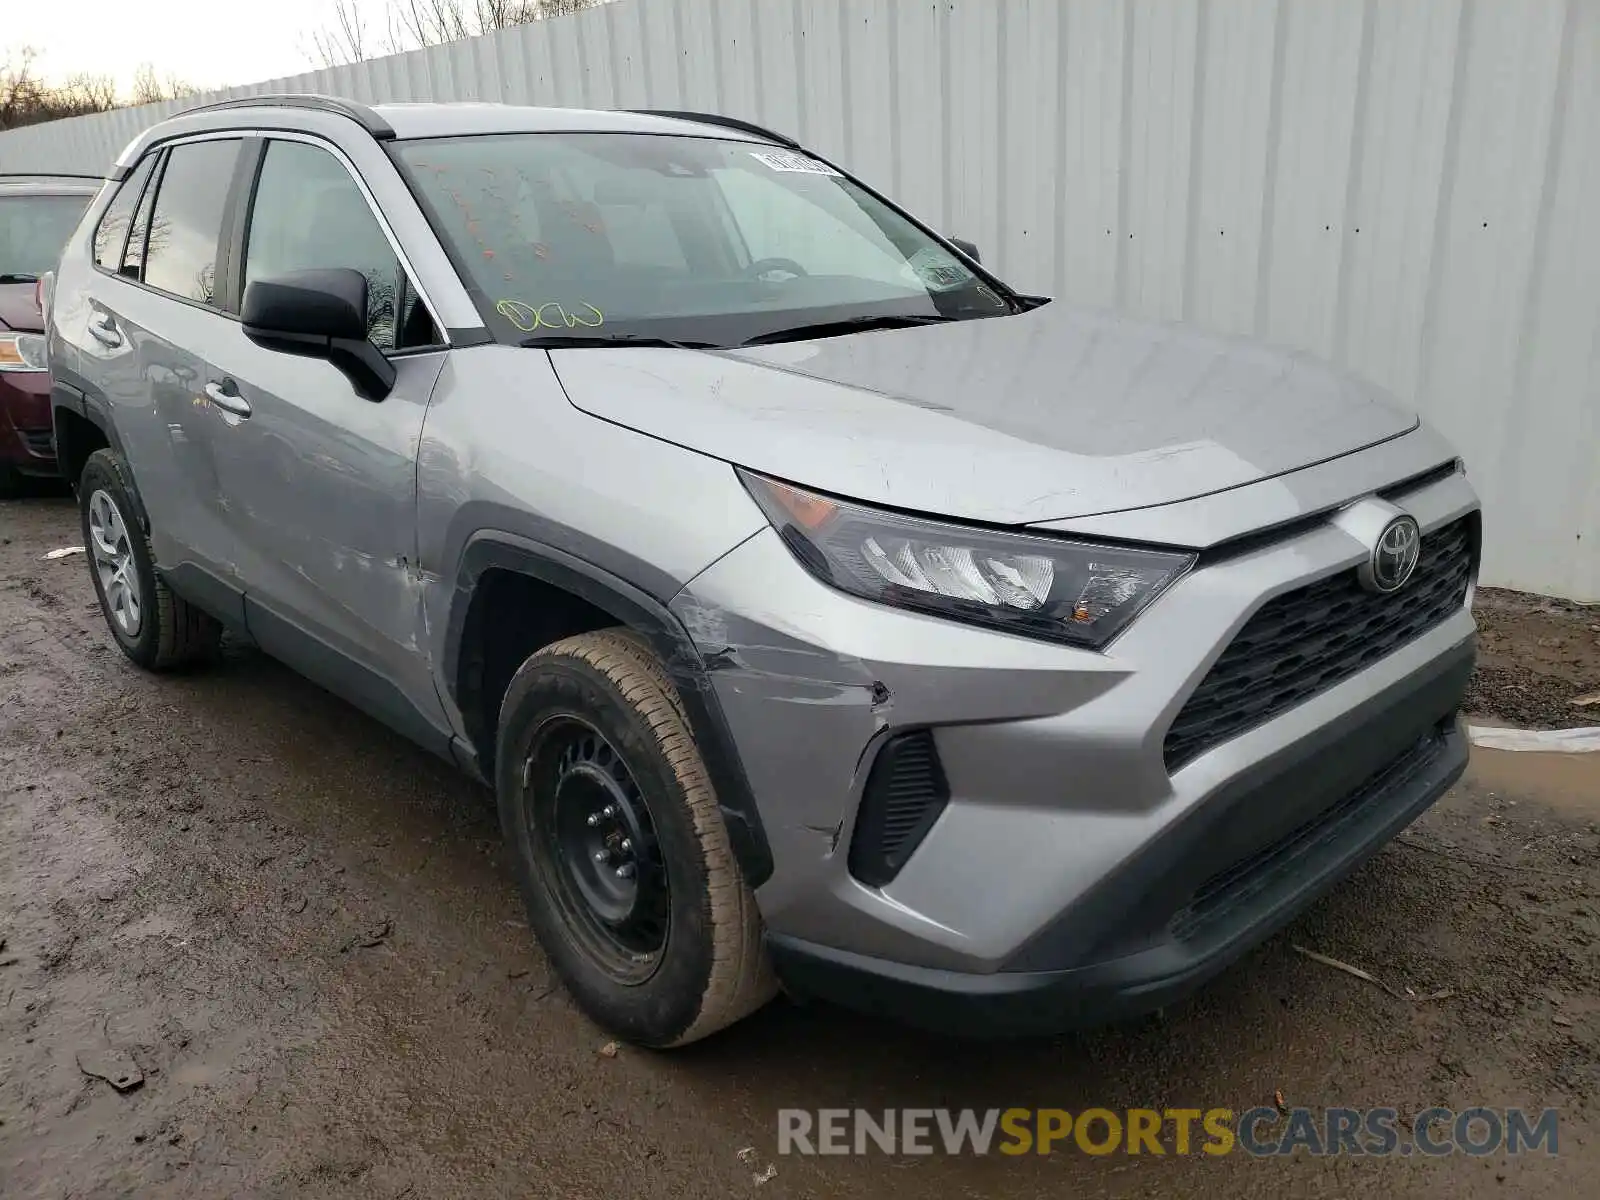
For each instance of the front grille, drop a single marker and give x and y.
(904, 796)
(39, 442)
(1225, 891)
(1305, 641)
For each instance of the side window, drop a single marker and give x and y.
(112, 233)
(186, 223)
(309, 213)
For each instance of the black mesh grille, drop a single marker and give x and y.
(1305, 641)
(905, 794)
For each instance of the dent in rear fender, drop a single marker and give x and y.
(637, 609)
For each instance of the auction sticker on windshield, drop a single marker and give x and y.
(780, 160)
(936, 270)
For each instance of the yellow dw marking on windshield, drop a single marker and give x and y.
(528, 317)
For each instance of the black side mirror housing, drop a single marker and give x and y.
(319, 314)
(967, 248)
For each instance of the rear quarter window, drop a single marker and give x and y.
(111, 235)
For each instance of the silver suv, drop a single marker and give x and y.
(823, 612)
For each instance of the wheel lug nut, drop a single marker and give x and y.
(594, 819)
(627, 845)
(625, 871)
(609, 810)
(600, 856)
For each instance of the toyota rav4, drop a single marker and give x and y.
(823, 612)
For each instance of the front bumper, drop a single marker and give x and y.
(27, 440)
(1071, 874)
(1210, 921)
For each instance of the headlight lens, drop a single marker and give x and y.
(1046, 587)
(22, 352)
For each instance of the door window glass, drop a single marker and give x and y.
(310, 214)
(186, 223)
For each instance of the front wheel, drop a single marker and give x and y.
(620, 850)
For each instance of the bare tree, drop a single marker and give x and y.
(414, 24)
(148, 88)
(90, 93)
(25, 99)
(343, 41)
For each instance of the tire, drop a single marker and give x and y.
(168, 632)
(592, 720)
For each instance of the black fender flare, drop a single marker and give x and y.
(84, 404)
(648, 616)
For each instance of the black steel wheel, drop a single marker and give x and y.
(620, 849)
(596, 843)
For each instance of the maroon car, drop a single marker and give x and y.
(37, 215)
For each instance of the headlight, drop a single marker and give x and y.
(1045, 587)
(22, 352)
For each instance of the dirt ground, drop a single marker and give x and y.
(1538, 658)
(303, 933)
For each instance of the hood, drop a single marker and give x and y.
(1051, 414)
(17, 309)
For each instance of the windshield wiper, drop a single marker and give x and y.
(847, 325)
(17, 277)
(568, 341)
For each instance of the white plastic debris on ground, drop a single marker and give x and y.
(1547, 741)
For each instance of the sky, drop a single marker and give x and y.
(218, 43)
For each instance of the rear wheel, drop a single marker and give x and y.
(621, 852)
(155, 628)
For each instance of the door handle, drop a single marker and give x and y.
(227, 400)
(104, 330)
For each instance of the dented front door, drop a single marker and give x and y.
(322, 487)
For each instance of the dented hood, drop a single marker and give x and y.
(1051, 414)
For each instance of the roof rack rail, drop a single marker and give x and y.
(50, 175)
(700, 118)
(360, 113)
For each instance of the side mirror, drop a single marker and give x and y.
(319, 314)
(967, 248)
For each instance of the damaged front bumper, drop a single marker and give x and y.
(1070, 875)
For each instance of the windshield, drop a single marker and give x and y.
(631, 236)
(33, 230)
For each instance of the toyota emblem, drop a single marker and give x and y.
(1394, 557)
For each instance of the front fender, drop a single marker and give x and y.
(646, 615)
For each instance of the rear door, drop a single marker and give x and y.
(153, 308)
(322, 482)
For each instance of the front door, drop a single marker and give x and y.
(322, 483)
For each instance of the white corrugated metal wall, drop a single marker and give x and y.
(1407, 187)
